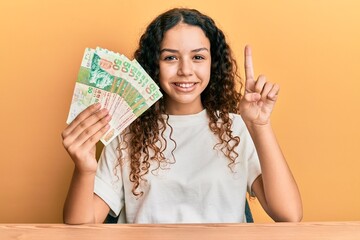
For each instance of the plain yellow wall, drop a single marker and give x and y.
(311, 48)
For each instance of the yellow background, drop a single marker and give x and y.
(311, 48)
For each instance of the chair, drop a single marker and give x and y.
(111, 219)
(248, 215)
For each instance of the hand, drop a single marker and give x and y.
(82, 134)
(260, 96)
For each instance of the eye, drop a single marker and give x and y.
(170, 58)
(198, 57)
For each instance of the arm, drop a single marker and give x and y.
(79, 139)
(276, 188)
(82, 205)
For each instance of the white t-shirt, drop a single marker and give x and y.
(197, 187)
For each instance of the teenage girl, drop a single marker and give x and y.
(195, 153)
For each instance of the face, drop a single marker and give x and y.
(185, 63)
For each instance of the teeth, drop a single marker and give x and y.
(184, 85)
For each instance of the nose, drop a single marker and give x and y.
(185, 67)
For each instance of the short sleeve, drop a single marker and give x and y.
(254, 169)
(247, 152)
(108, 179)
(252, 158)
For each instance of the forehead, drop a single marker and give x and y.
(184, 35)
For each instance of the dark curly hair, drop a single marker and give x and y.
(219, 98)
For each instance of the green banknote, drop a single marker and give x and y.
(120, 85)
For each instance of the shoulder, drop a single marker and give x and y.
(111, 150)
(239, 128)
(237, 121)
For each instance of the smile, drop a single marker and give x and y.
(184, 85)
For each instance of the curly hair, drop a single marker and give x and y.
(219, 98)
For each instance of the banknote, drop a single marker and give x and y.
(120, 85)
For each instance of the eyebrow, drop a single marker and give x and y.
(175, 51)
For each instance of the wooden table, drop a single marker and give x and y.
(249, 231)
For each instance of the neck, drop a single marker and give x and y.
(183, 109)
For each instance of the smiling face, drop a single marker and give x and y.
(185, 64)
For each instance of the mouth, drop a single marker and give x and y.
(184, 85)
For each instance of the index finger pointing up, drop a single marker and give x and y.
(249, 69)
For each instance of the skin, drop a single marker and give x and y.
(276, 185)
(185, 62)
(79, 139)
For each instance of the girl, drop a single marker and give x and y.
(192, 156)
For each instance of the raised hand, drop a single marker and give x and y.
(81, 136)
(260, 96)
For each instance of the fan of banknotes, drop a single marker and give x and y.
(121, 85)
